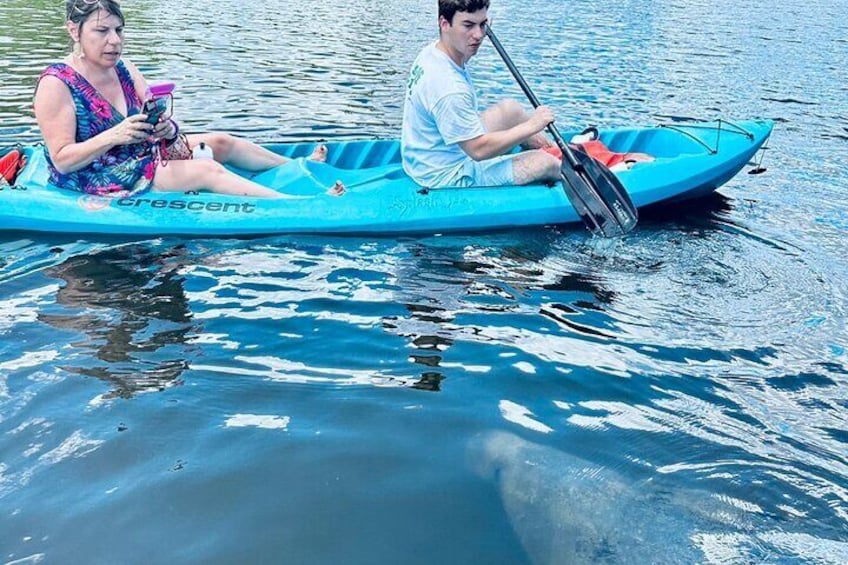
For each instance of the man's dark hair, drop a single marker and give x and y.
(447, 8)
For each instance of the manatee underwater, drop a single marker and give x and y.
(564, 509)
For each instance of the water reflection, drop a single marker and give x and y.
(130, 304)
(453, 292)
(432, 292)
(711, 211)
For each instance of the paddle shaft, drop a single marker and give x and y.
(597, 195)
(552, 129)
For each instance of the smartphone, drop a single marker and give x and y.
(161, 95)
(154, 108)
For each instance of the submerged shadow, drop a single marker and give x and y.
(710, 211)
(130, 305)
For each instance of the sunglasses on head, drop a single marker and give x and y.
(79, 5)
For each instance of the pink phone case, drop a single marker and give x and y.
(161, 89)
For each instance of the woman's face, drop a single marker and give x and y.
(101, 38)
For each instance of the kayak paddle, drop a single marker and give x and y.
(595, 192)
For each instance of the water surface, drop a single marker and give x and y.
(533, 396)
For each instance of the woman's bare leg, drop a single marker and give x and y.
(206, 174)
(244, 154)
(319, 154)
(337, 189)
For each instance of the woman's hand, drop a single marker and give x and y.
(165, 129)
(132, 130)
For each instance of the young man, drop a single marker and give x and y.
(445, 141)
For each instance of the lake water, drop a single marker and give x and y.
(535, 396)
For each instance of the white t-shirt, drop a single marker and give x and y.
(440, 111)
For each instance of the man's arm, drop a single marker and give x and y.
(496, 143)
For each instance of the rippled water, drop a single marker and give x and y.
(536, 396)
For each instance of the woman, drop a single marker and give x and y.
(89, 110)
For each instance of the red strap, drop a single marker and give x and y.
(601, 153)
(594, 149)
(10, 165)
(553, 150)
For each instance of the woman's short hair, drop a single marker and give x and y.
(78, 11)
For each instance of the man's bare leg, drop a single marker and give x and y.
(507, 114)
(535, 166)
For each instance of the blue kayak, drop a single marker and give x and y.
(691, 159)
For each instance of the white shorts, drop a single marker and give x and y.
(491, 172)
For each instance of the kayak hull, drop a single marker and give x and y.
(692, 160)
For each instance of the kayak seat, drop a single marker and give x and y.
(35, 172)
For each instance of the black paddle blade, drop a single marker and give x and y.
(598, 196)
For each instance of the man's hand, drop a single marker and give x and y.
(542, 116)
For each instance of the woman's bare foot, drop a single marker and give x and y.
(338, 189)
(320, 154)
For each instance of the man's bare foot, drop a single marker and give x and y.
(320, 154)
(338, 189)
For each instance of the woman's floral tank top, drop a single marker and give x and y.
(124, 169)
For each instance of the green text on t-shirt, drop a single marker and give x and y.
(414, 76)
